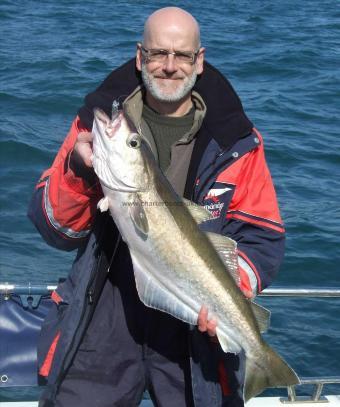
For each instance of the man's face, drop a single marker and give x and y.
(167, 88)
(171, 79)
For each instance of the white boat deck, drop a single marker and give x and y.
(331, 401)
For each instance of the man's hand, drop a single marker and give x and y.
(209, 326)
(80, 159)
(244, 284)
(205, 325)
(82, 150)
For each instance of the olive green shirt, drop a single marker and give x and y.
(166, 131)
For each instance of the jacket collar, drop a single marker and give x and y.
(225, 120)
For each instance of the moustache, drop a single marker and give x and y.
(168, 77)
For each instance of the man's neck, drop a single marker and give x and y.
(174, 109)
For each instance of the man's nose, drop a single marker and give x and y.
(170, 64)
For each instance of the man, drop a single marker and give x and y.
(100, 346)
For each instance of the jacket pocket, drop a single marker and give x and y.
(51, 329)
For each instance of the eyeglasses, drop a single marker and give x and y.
(161, 55)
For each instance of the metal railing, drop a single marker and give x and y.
(30, 294)
(28, 289)
(301, 292)
(45, 289)
(316, 396)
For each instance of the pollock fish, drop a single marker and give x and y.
(177, 267)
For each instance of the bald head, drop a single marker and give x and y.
(174, 23)
(170, 59)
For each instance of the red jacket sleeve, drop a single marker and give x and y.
(253, 219)
(63, 204)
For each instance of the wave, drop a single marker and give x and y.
(15, 151)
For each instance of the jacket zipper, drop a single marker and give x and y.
(62, 374)
(90, 298)
(90, 295)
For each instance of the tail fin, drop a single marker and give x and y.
(269, 371)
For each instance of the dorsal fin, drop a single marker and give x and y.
(227, 251)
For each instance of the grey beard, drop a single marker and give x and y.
(152, 87)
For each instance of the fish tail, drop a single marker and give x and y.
(268, 371)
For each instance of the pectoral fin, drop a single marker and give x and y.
(138, 217)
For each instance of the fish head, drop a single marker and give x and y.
(119, 153)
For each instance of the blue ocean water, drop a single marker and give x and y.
(283, 59)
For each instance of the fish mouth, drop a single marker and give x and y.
(111, 126)
(107, 129)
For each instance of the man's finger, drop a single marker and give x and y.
(211, 327)
(202, 319)
(85, 137)
(245, 284)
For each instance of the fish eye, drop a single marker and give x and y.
(134, 141)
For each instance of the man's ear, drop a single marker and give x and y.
(199, 61)
(139, 57)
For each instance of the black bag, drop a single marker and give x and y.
(21, 316)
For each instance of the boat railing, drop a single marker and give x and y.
(301, 292)
(31, 294)
(316, 396)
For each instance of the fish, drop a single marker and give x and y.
(177, 266)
